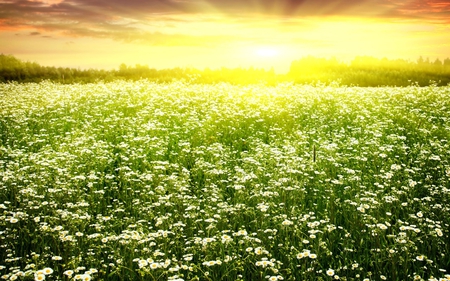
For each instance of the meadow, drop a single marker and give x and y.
(179, 181)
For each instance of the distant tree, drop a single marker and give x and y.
(123, 67)
(420, 61)
(447, 62)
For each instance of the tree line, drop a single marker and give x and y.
(361, 71)
(370, 71)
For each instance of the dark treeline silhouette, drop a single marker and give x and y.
(361, 71)
(13, 69)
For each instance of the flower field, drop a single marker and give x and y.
(146, 181)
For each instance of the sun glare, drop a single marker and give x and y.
(267, 52)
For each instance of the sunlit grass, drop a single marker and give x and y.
(145, 181)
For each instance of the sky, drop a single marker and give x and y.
(103, 34)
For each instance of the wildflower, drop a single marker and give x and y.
(435, 157)
(69, 273)
(226, 238)
(58, 228)
(208, 240)
(330, 272)
(39, 277)
(382, 226)
(396, 167)
(142, 263)
(420, 258)
(47, 271)
(209, 263)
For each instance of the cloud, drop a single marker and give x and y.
(435, 11)
(117, 20)
(364, 8)
(156, 22)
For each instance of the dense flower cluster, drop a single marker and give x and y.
(144, 181)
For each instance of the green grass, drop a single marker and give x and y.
(144, 181)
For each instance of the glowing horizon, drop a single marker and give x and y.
(260, 33)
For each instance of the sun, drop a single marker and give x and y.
(277, 57)
(267, 52)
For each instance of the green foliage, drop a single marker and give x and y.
(371, 72)
(13, 69)
(362, 71)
